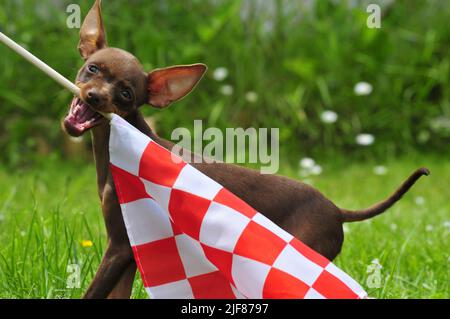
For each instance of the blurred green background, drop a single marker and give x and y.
(281, 63)
(358, 110)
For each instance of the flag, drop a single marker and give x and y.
(192, 238)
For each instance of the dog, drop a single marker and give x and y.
(113, 80)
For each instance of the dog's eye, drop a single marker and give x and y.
(93, 69)
(126, 94)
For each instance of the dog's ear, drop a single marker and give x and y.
(92, 33)
(172, 84)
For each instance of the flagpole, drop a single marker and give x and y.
(75, 90)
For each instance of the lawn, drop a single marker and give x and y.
(50, 218)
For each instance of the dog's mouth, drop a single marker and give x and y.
(81, 118)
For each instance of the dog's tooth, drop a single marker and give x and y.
(77, 111)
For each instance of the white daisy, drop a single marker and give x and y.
(328, 117)
(220, 74)
(419, 200)
(346, 229)
(362, 88)
(226, 90)
(307, 162)
(251, 97)
(393, 227)
(316, 170)
(365, 139)
(380, 170)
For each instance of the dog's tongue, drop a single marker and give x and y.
(80, 118)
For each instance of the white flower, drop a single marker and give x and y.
(365, 139)
(226, 90)
(329, 117)
(346, 229)
(362, 88)
(380, 170)
(447, 224)
(307, 162)
(309, 167)
(393, 227)
(220, 74)
(251, 96)
(316, 170)
(429, 228)
(419, 200)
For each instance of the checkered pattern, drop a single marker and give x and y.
(192, 238)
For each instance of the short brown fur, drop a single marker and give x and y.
(297, 207)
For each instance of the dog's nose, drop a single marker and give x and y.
(93, 97)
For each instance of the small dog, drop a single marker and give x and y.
(113, 80)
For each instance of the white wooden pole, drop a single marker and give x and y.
(44, 68)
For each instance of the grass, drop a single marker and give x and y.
(299, 57)
(46, 212)
(298, 68)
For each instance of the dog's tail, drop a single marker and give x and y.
(358, 215)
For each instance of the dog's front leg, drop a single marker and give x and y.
(115, 262)
(114, 277)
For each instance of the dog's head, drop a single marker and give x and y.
(114, 81)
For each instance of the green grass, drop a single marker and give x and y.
(299, 59)
(46, 212)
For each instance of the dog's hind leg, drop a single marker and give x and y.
(116, 260)
(124, 286)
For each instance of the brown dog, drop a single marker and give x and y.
(112, 80)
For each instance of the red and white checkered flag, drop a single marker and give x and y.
(192, 238)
